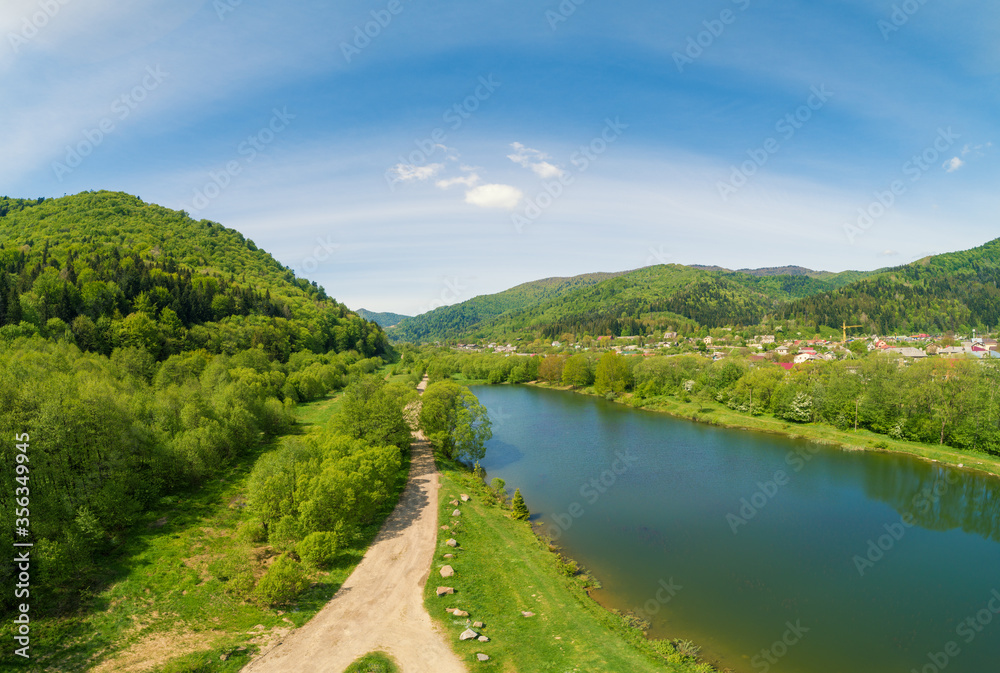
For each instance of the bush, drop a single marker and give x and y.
(286, 533)
(251, 531)
(235, 569)
(520, 509)
(319, 549)
(282, 582)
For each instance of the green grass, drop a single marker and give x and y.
(376, 662)
(158, 599)
(714, 413)
(502, 569)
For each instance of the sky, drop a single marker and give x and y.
(408, 154)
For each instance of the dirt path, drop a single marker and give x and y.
(381, 605)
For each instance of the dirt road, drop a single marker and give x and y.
(380, 606)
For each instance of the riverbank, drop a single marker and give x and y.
(502, 571)
(716, 414)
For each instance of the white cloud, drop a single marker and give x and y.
(408, 172)
(978, 149)
(953, 164)
(494, 196)
(534, 159)
(888, 253)
(470, 180)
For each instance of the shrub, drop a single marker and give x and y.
(520, 509)
(282, 582)
(319, 549)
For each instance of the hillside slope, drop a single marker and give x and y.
(106, 269)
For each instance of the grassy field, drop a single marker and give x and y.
(159, 608)
(862, 440)
(501, 569)
(376, 662)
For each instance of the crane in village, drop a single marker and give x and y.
(847, 327)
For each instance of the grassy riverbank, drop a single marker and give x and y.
(714, 413)
(503, 569)
(161, 608)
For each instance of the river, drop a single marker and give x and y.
(772, 554)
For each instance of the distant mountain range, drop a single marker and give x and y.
(383, 320)
(954, 291)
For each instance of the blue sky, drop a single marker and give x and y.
(458, 149)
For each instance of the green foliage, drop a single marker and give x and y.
(372, 411)
(454, 421)
(518, 507)
(320, 548)
(613, 374)
(282, 582)
(499, 488)
(376, 662)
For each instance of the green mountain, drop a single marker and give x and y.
(469, 316)
(383, 320)
(953, 291)
(633, 302)
(105, 269)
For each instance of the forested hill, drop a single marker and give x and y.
(470, 316)
(105, 270)
(954, 291)
(634, 302)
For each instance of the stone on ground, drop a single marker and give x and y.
(482, 657)
(468, 634)
(447, 571)
(445, 591)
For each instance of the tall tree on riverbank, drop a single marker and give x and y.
(455, 422)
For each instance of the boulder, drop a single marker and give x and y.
(445, 591)
(468, 634)
(482, 657)
(465, 498)
(528, 614)
(454, 502)
(459, 613)
(483, 639)
(447, 571)
(477, 625)
(457, 512)
(452, 542)
(449, 556)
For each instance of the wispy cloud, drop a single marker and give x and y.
(505, 197)
(536, 160)
(409, 172)
(471, 179)
(953, 164)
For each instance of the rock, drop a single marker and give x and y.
(482, 657)
(447, 571)
(477, 625)
(465, 498)
(449, 556)
(457, 512)
(468, 634)
(445, 527)
(445, 591)
(483, 639)
(459, 613)
(455, 503)
(452, 542)
(527, 614)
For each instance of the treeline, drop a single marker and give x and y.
(111, 436)
(937, 400)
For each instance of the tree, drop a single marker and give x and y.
(518, 506)
(576, 371)
(613, 374)
(455, 421)
(374, 413)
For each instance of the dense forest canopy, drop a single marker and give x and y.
(106, 270)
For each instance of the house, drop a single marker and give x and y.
(767, 339)
(907, 352)
(802, 357)
(556, 344)
(786, 365)
(707, 340)
(781, 350)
